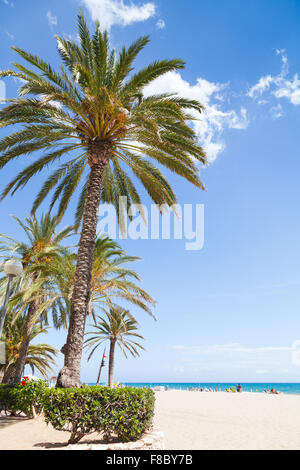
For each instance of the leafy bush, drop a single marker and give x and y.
(124, 413)
(6, 399)
(26, 397)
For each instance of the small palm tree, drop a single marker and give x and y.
(39, 356)
(111, 280)
(94, 114)
(43, 247)
(119, 328)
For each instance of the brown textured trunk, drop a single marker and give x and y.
(111, 364)
(8, 373)
(18, 369)
(69, 376)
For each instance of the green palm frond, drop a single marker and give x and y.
(39, 356)
(96, 95)
(117, 325)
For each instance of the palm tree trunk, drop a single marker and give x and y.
(69, 376)
(18, 369)
(111, 363)
(8, 373)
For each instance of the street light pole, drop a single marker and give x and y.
(12, 268)
(101, 365)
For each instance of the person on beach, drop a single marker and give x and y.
(239, 388)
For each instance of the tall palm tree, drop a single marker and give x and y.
(43, 247)
(95, 115)
(119, 328)
(39, 356)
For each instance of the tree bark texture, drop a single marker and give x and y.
(69, 376)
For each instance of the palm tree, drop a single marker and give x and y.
(37, 255)
(95, 115)
(39, 356)
(111, 279)
(119, 328)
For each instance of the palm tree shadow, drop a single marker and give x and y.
(50, 445)
(53, 445)
(8, 420)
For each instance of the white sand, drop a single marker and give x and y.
(191, 420)
(199, 420)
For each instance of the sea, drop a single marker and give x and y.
(260, 387)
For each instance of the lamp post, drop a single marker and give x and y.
(101, 365)
(12, 268)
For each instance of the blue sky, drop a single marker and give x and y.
(231, 311)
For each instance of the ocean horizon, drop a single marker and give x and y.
(260, 387)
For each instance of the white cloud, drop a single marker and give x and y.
(9, 4)
(280, 86)
(262, 371)
(236, 348)
(11, 36)
(289, 89)
(261, 359)
(214, 120)
(112, 12)
(261, 86)
(276, 111)
(2, 91)
(51, 18)
(160, 24)
(71, 37)
(295, 358)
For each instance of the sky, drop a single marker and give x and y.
(230, 311)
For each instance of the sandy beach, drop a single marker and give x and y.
(195, 420)
(191, 420)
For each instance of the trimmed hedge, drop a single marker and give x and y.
(27, 399)
(122, 413)
(6, 399)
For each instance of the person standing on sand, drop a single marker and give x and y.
(239, 388)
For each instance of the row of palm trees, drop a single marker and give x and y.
(92, 122)
(45, 288)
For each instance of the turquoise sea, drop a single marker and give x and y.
(291, 388)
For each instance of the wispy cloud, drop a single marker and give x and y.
(260, 360)
(9, 4)
(117, 12)
(257, 291)
(276, 111)
(11, 36)
(235, 348)
(160, 24)
(52, 20)
(280, 85)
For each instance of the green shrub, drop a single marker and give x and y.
(124, 413)
(27, 399)
(6, 398)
